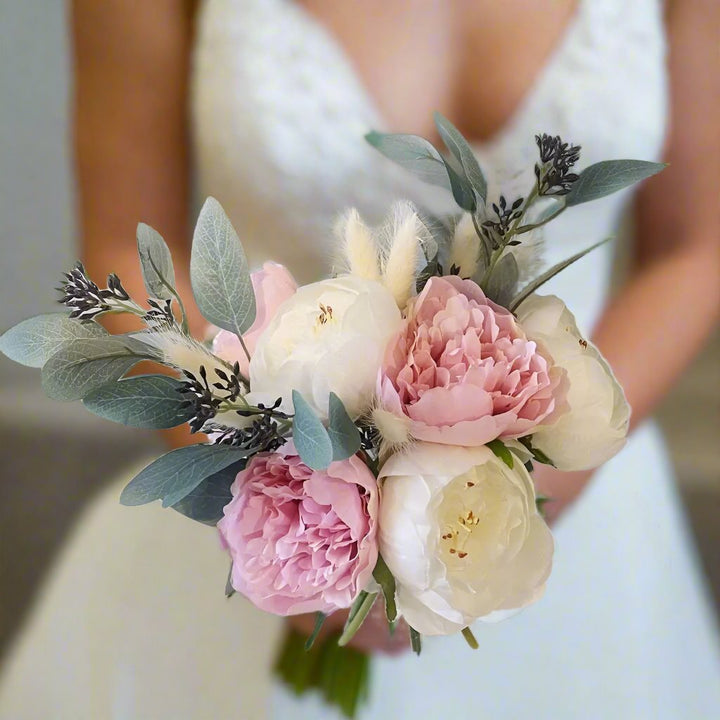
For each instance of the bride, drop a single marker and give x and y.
(133, 622)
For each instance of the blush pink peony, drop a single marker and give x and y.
(301, 540)
(273, 285)
(462, 372)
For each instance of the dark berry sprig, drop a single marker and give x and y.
(159, 316)
(200, 398)
(557, 158)
(86, 300)
(261, 435)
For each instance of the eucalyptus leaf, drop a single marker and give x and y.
(176, 474)
(310, 436)
(143, 401)
(500, 450)
(463, 153)
(35, 340)
(414, 154)
(609, 176)
(83, 365)
(219, 272)
(206, 502)
(539, 281)
(344, 436)
(460, 187)
(156, 263)
(502, 283)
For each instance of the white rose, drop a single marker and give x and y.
(329, 336)
(596, 425)
(461, 534)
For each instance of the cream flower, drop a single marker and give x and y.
(461, 534)
(330, 336)
(596, 425)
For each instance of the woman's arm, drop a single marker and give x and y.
(660, 319)
(131, 79)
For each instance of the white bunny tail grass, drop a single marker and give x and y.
(403, 261)
(359, 249)
(465, 247)
(394, 430)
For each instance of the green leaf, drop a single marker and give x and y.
(537, 454)
(467, 633)
(156, 263)
(33, 341)
(414, 154)
(176, 474)
(206, 502)
(609, 176)
(229, 589)
(84, 365)
(502, 283)
(415, 641)
(144, 401)
(384, 578)
(500, 450)
(310, 436)
(344, 436)
(463, 153)
(539, 281)
(319, 620)
(358, 612)
(460, 187)
(219, 272)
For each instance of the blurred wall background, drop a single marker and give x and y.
(55, 456)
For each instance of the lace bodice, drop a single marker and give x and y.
(280, 114)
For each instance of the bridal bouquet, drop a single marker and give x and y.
(369, 437)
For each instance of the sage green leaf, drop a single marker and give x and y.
(413, 153)
(358, 612)
(460, 187)
(33, 341)
(310, 436)
(384, 578)
(156, 263)
(500, 450)
(176, 474)
(502, 283)
(219, 272)
(609, 176)
(319, 620)
(144, 401)
(463, 153)
(83, 365)
(344, 436)
(539, 281)
(206, 502)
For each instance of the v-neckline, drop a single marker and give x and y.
(526, 101)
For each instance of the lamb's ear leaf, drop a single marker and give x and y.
(176, 474)
(463, 153)
(81, 366)
(219, 272)
(34, 341)
(533, 285)
(344, 436)
(310, 436)
(609, 176)
(156, 263)
(142, 401)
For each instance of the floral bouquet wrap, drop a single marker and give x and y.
(369, 437)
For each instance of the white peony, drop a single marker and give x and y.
(596, 425)
(461, 534)
(329, 336)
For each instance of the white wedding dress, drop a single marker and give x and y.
(133, 624)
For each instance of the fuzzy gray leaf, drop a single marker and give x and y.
(219, 272)
(33, 341)
(156, 263)
(84, 365)
(609, 176)
(176, 474)
(144, 401)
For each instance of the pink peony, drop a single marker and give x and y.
(273, 285)
(301, 540)
(462, 372)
